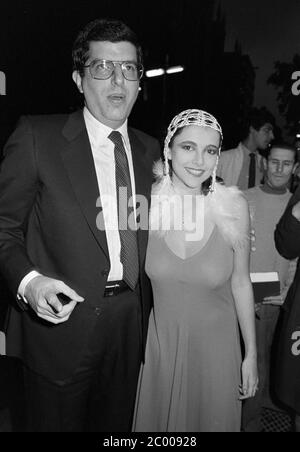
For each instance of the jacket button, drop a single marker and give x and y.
(104, 272)
(97, 311)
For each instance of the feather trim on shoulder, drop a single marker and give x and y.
(161, 198)
(224, 206)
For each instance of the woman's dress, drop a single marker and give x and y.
(190, 380)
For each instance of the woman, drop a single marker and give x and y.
(197, 260)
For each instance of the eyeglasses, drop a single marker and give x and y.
(103, 69)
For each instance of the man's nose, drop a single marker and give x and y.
(271, 135)
(117, 75)
(279, 168)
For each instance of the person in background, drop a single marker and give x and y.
(287, 382)
(267, 203)
(80, 321)
(197, 259)
(296, 176)
(243, 165)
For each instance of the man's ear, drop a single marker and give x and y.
(296, 166)
(265, 163)
(251, 130)
(78, 80)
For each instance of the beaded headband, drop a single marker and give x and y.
(191, 117)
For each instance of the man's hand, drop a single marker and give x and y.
(275, 300)
(296, 211)
(41, 294)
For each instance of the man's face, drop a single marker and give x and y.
(279, 167)
(111, 100)
(263, 136)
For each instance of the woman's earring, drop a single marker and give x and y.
(166, 167)
(213, 179)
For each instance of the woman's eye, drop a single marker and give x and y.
(187, 147)
(212, 151)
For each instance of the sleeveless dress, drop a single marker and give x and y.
(190, 379)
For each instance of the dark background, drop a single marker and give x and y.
(227, 47)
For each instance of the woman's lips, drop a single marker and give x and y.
(195, 172)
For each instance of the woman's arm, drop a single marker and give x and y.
(244, 302)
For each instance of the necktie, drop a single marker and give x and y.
(128, 236)
(252, 167)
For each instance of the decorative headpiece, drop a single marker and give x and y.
(191, 117)
(223, 204)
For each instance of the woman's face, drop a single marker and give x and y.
(194, 153)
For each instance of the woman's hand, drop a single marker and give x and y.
(249, 378)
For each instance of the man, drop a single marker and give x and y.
(242, 166)
(287, 238)
(296, 178)
(84, 298)
(267, 203)
(4, 301)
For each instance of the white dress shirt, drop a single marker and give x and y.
(104, 160)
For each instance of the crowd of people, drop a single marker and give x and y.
(127, 328)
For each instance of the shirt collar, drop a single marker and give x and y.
(273, 190)
(99, 131)
(246, 150)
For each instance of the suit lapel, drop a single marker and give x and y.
(79, 164)
(78, 161)
(143, 182)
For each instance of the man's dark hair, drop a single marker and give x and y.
(282, 145)
(111, 30)
(259, 117)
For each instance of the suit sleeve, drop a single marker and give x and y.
(18, 189)
(287, 233)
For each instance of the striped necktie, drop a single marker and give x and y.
(128, 236)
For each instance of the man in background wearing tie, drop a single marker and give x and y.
(243, 165)
(83, 299)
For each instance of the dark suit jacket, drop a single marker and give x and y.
(48, 193)
(287, 238)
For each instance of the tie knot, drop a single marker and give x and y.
(115, 137)
(252, 155)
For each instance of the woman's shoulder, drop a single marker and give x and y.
(229, 209)
(229, 200)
